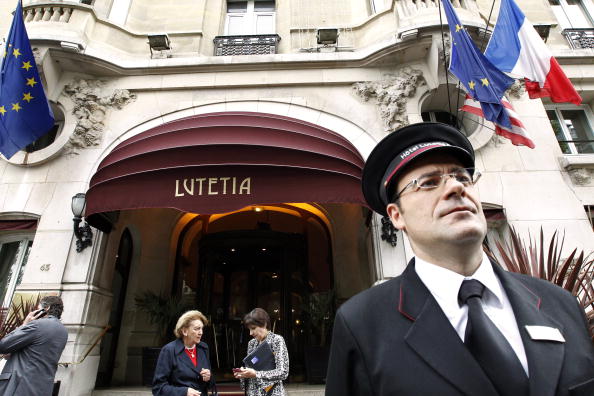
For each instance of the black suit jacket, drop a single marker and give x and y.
(175, 372)
(394, 339)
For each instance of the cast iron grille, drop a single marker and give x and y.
(256, 44)
(580, 38)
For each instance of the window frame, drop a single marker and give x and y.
(22, 238)
(557, 108)
(376, 6)
(464, 127)
(565, 16)
(250, 20)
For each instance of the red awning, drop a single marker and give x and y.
(219, 162)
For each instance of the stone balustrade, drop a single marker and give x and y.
(48, 13)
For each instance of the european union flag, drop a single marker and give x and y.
(25, 114)
(483, 81)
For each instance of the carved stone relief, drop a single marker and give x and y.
(444, 49)
(91, 104)
(392, 94)
(581, 176)
(516, 90)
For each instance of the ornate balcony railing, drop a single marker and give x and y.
(580, 38)
(46, 12)
(256, 44)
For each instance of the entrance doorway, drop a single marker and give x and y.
(241, 270)
(271, 257)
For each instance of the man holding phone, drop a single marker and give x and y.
(35, 348)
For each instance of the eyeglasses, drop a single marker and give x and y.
(466, 176)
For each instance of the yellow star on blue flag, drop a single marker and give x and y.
(470, 66)
(25, 114)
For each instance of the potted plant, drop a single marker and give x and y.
(13, 317)
(162, 312)
(320, 309)
(574, 273)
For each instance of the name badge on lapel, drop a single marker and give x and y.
(545, 333)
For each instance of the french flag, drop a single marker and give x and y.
(515, 47)
(517, 133)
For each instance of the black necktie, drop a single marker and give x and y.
(490, 348)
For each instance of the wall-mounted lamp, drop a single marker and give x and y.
(158, 42)
(327, 36)
(83, 233)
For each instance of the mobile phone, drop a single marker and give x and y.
(40, 313)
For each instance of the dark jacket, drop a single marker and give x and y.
(175, 372)
(35, 350)
(394, 339)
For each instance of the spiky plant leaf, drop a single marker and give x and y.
(575, 273)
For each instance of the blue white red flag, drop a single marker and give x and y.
(517, 133)
(483, 81)
(515, 47)
(25, 114)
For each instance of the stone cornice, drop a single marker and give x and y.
(101, 63)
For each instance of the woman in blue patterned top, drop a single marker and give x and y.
(264, 383)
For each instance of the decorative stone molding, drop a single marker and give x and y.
(37, 55)
(392, 94)
(496, 140)
(581, 176)
(443, 49)
(90, 107)
(580, 168)
(516, 90)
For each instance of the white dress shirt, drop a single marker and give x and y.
(444, 286)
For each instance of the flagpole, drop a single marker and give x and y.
(445, 67)
(482, 50)
(487, 27)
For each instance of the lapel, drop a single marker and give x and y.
(433, 338)
(545, 358)
(184, 358)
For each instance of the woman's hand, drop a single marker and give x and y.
(205, 373)
(245, 373)
(193, 392)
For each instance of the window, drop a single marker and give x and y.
(119, 11)
(14, 253)
(246, 17)
(466, 122)
(376, 6)
(573, 14)
(52, 134)
(573, 128)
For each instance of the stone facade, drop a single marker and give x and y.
(385, 71)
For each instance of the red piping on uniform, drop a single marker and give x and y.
(410, 157)
(400, 307)
(535, 295)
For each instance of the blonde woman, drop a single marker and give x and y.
(259, 383)
(183, 367)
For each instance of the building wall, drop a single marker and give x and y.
(112, 90)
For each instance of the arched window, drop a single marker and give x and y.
(52, 134)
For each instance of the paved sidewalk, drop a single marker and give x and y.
(292, 390)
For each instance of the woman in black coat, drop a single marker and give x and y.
(183, 368)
